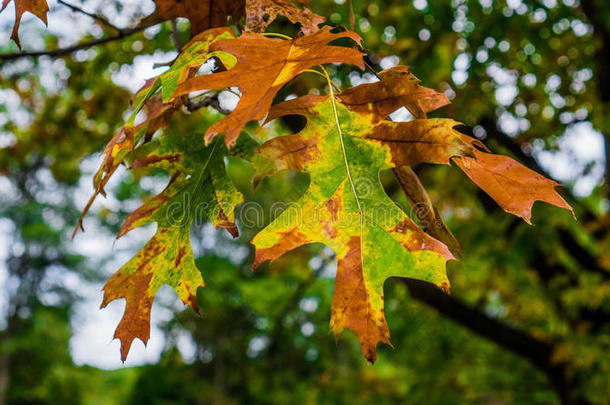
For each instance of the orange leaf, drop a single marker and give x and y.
(166, 259)
(264, 66)
(513, 186)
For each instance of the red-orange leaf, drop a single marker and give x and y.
(264, 66)
(513, 186)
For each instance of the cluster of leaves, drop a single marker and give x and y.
(346, 142)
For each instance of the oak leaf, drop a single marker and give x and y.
(264, 66)
(347, 209)
(398, 87)
(123, 142)
(513, 186)
(261, 13)
(37, 7)
(198, 190)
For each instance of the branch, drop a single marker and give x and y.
(123, 33)
(427, 214)
(96, 17)
(176, 35)
(538, 352)
(596, 18)
(209, 101)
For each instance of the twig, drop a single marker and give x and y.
(94, 16)
(176, 35)
(210, 101)
(65, 51)
(368, 65)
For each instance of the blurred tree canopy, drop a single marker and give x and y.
(528, 318)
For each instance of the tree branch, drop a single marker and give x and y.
(596, 18)
(209, 101)
(96, 17)
(176, 35)
(65, 51)
(538, 352)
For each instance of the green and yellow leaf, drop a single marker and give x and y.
(198, 190)
(347, 209)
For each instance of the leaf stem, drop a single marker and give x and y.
(324, 76)
(96, 17)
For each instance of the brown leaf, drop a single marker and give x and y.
(513, 186)
(202, 14)
(37, 7)
(158, 115)
(264, 66)
(256, 10)
(397, 87)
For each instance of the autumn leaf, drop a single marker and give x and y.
(397, 87)
(194, 54)
(264, 66)
(202, 14)
(166, 259)
(347, 209)
(158, 110)
(261, 13)
(37, 7)
(513, 186)
(198, 190)
(123, 141)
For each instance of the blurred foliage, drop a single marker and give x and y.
(521, 73)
